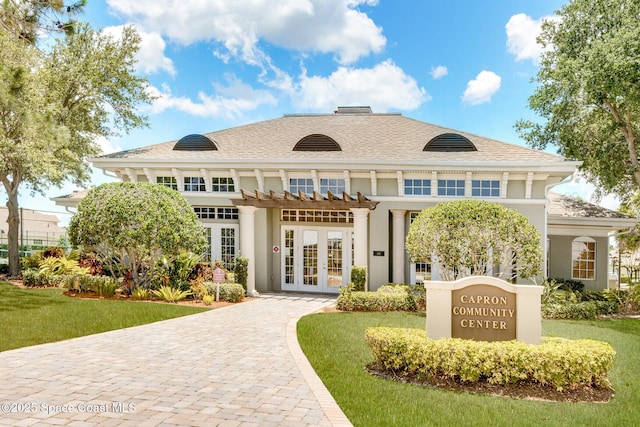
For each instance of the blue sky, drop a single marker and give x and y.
(214, 64)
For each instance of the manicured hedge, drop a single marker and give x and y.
(557, 362)
(391, 297)
(581, 310)
(372, 301)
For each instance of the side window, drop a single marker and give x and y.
(583, 258)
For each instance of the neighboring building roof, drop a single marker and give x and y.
(361, 136)
(33, 221)
(70, 200)
(570, 213)
(571, 207)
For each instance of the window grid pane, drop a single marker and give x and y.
(301, 184)
(215, 213)
(335, 185)
(451, 187)
(485, 188)
(222, 185)
(289, 266)
(583, 258)
(194, 183)
(228, 247)
(338, 217)
(167, 181)
(417, 187)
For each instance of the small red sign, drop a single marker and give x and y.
(276, 249)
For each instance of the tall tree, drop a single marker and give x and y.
(589, 91)
(54, 104)
(26, 19)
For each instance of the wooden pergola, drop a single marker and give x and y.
(302, 200)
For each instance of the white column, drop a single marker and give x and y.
(361, 237)
(246, 215)
(398, 245)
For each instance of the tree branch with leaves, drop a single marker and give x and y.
(588, 91)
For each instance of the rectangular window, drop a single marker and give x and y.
(222, 185)
(485, 188)
(227, 213)
(301, 184)
(194, 183)
(343, 217)
(584, 259)
(451, 187)
(417, 187)
(215, 213)
(167, 181)
(289, 260)
(423, 269)
(335, 185)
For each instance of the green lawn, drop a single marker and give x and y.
(335, 346)
(36, 316)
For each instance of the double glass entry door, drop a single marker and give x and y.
(316, 259)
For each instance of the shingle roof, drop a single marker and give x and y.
(362, 137)
(569, 207)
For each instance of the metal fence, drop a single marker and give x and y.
(33, 241)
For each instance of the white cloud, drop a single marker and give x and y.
(439, 72)
(327, 26)
(383, 87)
(522, 31)
(150, 56)
(480, 90)
(108, 146)
(230, 101)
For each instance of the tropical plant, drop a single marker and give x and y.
(466, 237)
(105, 287)
(140, 294)
(169, 294)
(62, 265)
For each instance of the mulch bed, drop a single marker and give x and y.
(521, 390)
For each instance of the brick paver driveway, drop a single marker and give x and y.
(238, 365)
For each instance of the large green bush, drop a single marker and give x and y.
(131, 226)
(557, 362)
(465, 237)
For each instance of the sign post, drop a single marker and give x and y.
(218, 277)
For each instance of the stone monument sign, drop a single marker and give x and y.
(484, 308)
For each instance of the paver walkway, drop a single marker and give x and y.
(238, 365)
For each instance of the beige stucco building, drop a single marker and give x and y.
(306, 196)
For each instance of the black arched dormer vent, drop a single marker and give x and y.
(195, 142)
(317, 142)
(449, 142)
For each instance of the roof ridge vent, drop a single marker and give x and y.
(356, 109)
